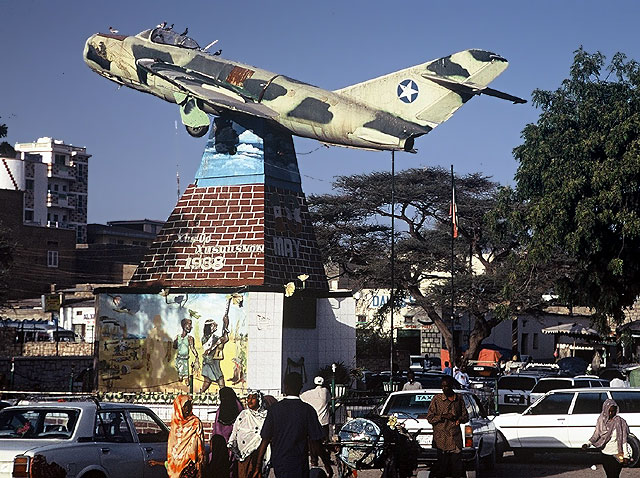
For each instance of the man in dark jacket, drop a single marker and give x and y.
(446, 412)
(291, 427)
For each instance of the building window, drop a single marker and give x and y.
(29, 184)
(52, 258)
(64, 188)
(534, 345)
(60, 159)
(56, 187)
(524, 344)
(28, 215)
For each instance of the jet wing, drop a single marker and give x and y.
(205, 88)
(471, 88)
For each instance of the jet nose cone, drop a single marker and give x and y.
(95, 54)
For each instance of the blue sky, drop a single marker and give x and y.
(47, 90)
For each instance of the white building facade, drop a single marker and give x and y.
(54, 178)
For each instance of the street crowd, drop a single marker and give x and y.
(290, 434)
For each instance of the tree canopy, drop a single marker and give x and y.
(353, 230)
(579, 175)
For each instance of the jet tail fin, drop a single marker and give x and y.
(429, 93)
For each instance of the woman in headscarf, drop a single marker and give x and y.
(226, 415)
(610, 436)
(185, 448)
(245, 437)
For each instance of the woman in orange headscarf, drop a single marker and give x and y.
(185, 448)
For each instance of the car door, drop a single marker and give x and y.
(543, 425)
(581, 422)
(152, 438)
(119, 456)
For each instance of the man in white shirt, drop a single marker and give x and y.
(411, 382)
(319, 398)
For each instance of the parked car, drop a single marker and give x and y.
(479, 433)
(547, 384)
(514, 391)
(86, 439)
(563, 420)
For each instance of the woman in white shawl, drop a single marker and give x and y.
(610, 437)
(245, 437)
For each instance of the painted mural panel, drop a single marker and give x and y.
(155, 342)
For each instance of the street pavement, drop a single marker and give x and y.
(540, 465)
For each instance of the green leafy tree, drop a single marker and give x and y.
(491, 282)
(579, 174)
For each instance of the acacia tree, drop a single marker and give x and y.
(353, 230)
(579, 173)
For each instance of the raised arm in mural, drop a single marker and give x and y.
(183, 343)
(213, 353)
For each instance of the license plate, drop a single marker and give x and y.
(514, 399)
(425, 440)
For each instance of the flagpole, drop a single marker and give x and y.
(391, 298)
(453, 234)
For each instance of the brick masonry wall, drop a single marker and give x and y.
(291, 248)
(230, 236)
(214, 237)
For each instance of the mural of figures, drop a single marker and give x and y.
(159, 342)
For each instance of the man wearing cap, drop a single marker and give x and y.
(319, 398)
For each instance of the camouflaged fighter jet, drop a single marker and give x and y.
(385, 113)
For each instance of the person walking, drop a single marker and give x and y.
(225, 417)
(245, 437)
(446, 412)
(411, 382)
(610, 436)
(319, 398)
(185, 447)
(291, 428)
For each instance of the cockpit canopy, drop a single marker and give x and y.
(164, 36)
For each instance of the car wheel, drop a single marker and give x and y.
(635, 447)
(523, 454)
(474, 471)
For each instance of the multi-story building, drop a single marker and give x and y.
(54, 178)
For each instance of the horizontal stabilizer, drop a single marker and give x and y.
(471, 88)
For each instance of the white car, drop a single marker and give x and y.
(563, 420)
(547, 384)
(84, 439)
(479, 434)
(514, 390)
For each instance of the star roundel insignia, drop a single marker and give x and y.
(407, 91)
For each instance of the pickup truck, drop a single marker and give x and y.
(81, 440)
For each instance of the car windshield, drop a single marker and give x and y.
(412, 404)
(543, 386)
(37, 423)
(169, 37)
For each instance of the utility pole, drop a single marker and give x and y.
(393, 257)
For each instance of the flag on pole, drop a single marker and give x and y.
(453, 212)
